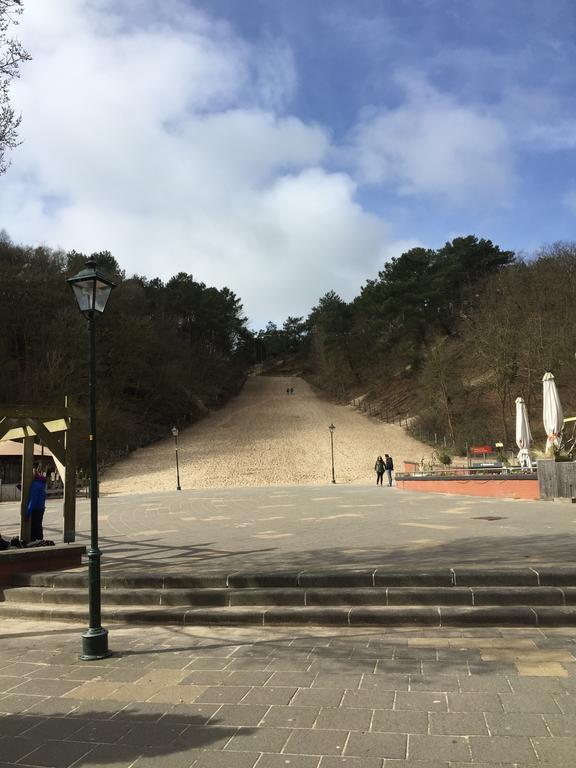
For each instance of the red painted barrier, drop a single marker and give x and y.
(502, 487)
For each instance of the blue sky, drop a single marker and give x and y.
(289, 148)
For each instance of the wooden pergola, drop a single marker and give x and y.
(55, 428)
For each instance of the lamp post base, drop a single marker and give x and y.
(95, 645)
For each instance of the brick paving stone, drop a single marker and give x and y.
(474, 701)
(13, 749)
(561, 725)
(426, 764)
(526, 702)
(258, 739)
(288, 761)
(556, 750)
(291, 716)
(434, 683)
(421, 700)
(12, 704)
(458, 724)
(291, 679)
(344, 718)
(566, 705)
(151, 734)
(101, 731)
(376, 745)
(157, 757)
(371, 699)
(191, 714)
(57, 754)
(486, 683)
(316, 742)
(387, 682)
(270, 695)
(11, 683)
(393, 721)
(108, 756)
(207, 759)
(409, 667)
(345, 680)
(516, 724)
(224, 694)
(502, 749)
(438, 748)
(211, 677)
(203, 737)
(318, 697)
(537, 685)
(331, 761)
(239, 714)
(251, 677)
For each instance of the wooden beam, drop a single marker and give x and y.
(18, 432)
(27, 465)
(49, 440)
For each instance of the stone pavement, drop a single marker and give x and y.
(303, 698)
(316, 527)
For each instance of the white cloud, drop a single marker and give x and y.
(431, 145)
(164, 141)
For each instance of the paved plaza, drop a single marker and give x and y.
(316, 527)
(303, 698)
(194, 697)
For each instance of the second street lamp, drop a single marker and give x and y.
(92, 290)
(176, 433)
(332, 428)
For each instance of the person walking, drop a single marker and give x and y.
(37, 504)
(389, 464)
(379, 468)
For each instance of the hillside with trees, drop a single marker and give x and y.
(445, 340)
(167, 352)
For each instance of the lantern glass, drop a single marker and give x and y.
(91, 289)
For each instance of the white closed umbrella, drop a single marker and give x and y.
(552, 413)
(523, 434)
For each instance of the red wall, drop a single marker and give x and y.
(507, 489)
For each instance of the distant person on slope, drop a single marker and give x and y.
(389, 467)
(379, 467)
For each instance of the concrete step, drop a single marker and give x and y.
(444, 597)
(439, 616)
(376, 596)
(542, 576)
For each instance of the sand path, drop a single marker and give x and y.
(266, 437)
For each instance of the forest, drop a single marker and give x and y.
(444, 340)
(167, 352)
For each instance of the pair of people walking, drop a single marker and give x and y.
(384, 465)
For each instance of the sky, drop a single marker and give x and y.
(288, 148)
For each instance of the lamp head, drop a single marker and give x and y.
(92, 289)
(175, 431)
(331, 427)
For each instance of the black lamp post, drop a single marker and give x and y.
(92, 290)
(332, 428)
(176, 433)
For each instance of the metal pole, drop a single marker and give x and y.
(332, 448)
(178, 488)
(95, 639)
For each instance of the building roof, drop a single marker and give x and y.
(12, 448)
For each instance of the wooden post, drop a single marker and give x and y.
(70, 440)
(27, 467)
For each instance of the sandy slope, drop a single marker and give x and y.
(266, 437)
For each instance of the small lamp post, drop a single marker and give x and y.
(176, 433)
(332, 428)
(92, 290)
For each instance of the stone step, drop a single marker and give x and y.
(439, 616)
(375, 596)
(551, 576)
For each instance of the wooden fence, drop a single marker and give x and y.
(557, 479)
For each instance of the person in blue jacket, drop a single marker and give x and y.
(37, 504)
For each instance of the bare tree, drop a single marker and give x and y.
(12, 54)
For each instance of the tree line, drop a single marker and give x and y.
(446, 339)
(167, 351)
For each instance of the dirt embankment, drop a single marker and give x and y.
(267, 437)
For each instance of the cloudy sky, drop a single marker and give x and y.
(285, 148)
